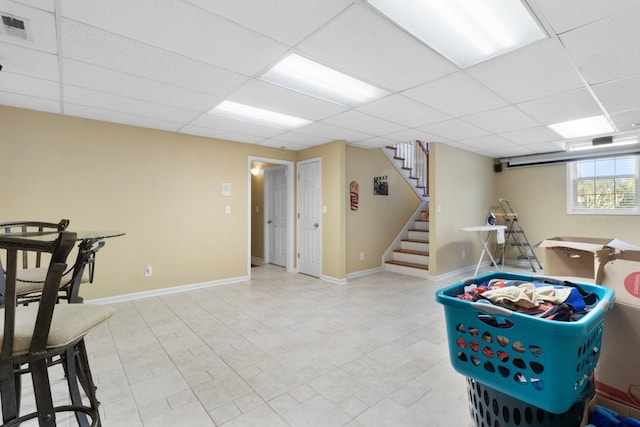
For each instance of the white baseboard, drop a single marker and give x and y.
(333, 280)
(364, 272)
(165, 291)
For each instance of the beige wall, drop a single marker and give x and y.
(538, 194)
(374, 226)
(162, 188)
(462, 193)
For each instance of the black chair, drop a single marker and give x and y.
(33, 335)
(30, 277)
(32, 272)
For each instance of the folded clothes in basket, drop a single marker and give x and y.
(553, 301)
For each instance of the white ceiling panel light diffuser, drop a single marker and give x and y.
(588, 126)
(247, 113)
(303, 75)
(465, 31)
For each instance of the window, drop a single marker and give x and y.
(607, 186)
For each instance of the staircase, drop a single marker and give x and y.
(412, 160)
(410, 253)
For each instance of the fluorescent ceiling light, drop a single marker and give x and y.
(303, 75)
(234, 110)
(583, 127)
(465, 31)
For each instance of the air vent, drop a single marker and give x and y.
(14, 26)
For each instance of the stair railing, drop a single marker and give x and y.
(415, 157)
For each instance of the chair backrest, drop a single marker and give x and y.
(24, 227)
(59, 246)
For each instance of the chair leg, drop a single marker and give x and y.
(71, 371)
(86, 380)
(42, 393)
(8, 390)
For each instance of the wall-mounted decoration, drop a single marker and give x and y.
(380, 186)
(354, 190)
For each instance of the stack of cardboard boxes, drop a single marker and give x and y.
(615, 264)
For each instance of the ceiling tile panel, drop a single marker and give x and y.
(235, 126)
(220, 134)
(364, 123)
(288, 21)
(29, 86)
(608, 49)
(628, 121)
(404, 111)
(566, 15)
(531, 136)
(297, 138)
(488, 142)
(537, 70)
(454, 130)
(332, 133)
(47, 5)
(502, 120)
(546, 147)
(620, 95)
(109, 102)
(271, 97)
(87, 44)
(183, 28)
(457, 95)
(413, 135)
(363, 44)
(28, 62)
(29, 102)
(562, 107)
(92, 113)
(103, 80)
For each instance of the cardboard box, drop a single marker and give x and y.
(621, 272)
(621, 409)
(574, 256)
(617, 372)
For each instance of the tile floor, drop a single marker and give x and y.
(281, 350)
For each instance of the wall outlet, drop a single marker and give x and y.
(361, 256)
(148, 271)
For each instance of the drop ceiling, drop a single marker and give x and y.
(164, 64)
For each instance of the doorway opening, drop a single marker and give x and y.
(271, 213)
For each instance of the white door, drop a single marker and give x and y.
(275, 197)
(310, 218)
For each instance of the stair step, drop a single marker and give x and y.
(409, 264)
(411, 252)
(418, 234)
(415, 240)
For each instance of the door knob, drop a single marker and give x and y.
(316, 225)
(269, 222)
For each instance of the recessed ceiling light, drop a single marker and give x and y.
(303, 75)
(247, 113)
(583, 127)
(465, 31)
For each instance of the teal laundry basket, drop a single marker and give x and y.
(545, 363)
(491, 408)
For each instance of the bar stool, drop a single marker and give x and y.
(35, 334)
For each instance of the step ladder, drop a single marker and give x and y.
(515, 236)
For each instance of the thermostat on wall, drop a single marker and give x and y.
(226, 189)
